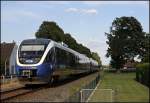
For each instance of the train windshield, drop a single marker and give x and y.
(32, 48)
(31, 53)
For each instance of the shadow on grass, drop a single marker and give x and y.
(140, 81)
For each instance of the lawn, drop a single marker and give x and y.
(126, 89)
(82, 82)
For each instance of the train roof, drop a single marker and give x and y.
(82, 57)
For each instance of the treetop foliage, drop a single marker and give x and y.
(96, 57)
(50, 30)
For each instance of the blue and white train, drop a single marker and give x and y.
(44, 60)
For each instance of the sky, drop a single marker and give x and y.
(86, 21)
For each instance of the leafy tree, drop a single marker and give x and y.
(83, 50)
(124, 40)
(70, 41)
(96, 57)
(50, 30)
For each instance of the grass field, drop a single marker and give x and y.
(82, 82)
(125, 87)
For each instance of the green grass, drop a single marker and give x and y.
(83, 81)
(125, 87)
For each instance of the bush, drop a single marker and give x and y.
(142, 73)
(110, 70)
(128, 70)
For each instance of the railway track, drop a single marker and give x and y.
(18, 92)
(6, 95)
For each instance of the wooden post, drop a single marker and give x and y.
(3, 78)
(81, 96)
(11, 77)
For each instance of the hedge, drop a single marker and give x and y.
(142, 73)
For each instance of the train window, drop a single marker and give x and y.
(71, 60)
(65, 58)
(49, 56)
(60, 55)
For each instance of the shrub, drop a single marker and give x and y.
(142, 73)
(129, 70)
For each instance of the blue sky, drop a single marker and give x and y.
(85, 20)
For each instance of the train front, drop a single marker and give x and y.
(31, 68)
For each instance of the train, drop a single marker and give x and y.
(41, 61)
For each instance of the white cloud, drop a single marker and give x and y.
(71, 10)
(82, 11)
(89, 11)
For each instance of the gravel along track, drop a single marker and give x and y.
(5, 95)
(13, 93)
(58, 91)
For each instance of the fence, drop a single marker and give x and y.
(77, 96)
(97, 95)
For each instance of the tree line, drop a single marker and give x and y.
(50, 30)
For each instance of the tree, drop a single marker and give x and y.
(96, 57)
(50, 30)
(70, 41)
(124, 40)
(83, 50)
(146, 48)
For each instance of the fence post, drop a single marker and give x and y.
(80, 93)
(11, 77)
(3, 78)
(81, 96)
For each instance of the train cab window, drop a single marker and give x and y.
(49, 57)
(60, 55)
